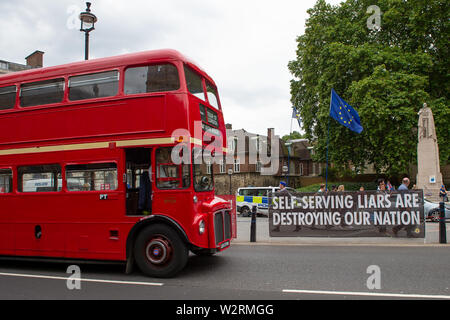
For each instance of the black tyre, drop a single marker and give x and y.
(160, 252)
(245, 211)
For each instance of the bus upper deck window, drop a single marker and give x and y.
(154, 78)
(5, 180)
(41, 92)
(194, 83)
(212, 95)
(7, 97)
(96, 85)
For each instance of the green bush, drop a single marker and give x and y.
(349, 186)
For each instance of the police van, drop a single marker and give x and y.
(250, 197)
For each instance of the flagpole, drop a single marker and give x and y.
(326, 168)
(328, 142)
(290, 132)
(289, 153)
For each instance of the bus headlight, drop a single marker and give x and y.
(201, 227)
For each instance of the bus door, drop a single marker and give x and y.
(138, 181)
(171, 194)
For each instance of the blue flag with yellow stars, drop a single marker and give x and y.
(343, 113)
(296, 115)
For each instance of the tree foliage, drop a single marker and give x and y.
(386, 75)
(292, 136)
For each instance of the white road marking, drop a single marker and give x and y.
(372, 294)
(39, 276)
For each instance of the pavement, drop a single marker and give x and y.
(263, 237)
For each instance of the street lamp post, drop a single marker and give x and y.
(230, 173)
(288, 145)
(88, 20)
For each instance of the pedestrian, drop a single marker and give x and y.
(322, 188)
(404, 185)
(382, 189)
(282, 192)
(408, 228)
(341, 188)
(361, 189)
(389, 186)
(443, 194)
(381, 185)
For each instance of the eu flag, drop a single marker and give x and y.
(343, 113)
(296, 115)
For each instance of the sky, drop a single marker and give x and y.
(244, 45)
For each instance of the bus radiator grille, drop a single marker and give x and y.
(222, 226)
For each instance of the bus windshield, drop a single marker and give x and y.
(202, 169)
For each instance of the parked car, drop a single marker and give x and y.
(249, 197)
(431, 210)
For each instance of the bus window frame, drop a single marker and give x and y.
(179, 171)
(140, 65)
(20, 182)
(119, 184)
(211, 173)
(34, 107)
(68, 76)
(219, 108)
(16, 103)
(15, 98)
(12, 187)
(205, 78)
(202, 78)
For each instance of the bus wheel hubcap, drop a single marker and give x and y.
(158, 251)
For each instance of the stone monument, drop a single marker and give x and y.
(429, 177)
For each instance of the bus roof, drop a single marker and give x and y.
(98, 64)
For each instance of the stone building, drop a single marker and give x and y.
(34, 60)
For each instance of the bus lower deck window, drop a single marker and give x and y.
(5, 180)
(91, 177)
(168, 174)
(43, 178)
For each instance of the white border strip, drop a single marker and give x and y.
(370, 294)
(38, 276)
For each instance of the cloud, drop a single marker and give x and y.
(244, 45)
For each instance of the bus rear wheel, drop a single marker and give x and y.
(160, 252)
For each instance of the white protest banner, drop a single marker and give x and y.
(347, 214)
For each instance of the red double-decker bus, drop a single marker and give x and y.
(87, 167)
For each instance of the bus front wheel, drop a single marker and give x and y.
(160, 252)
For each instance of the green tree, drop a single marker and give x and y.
(386, 75)
(292, 136)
